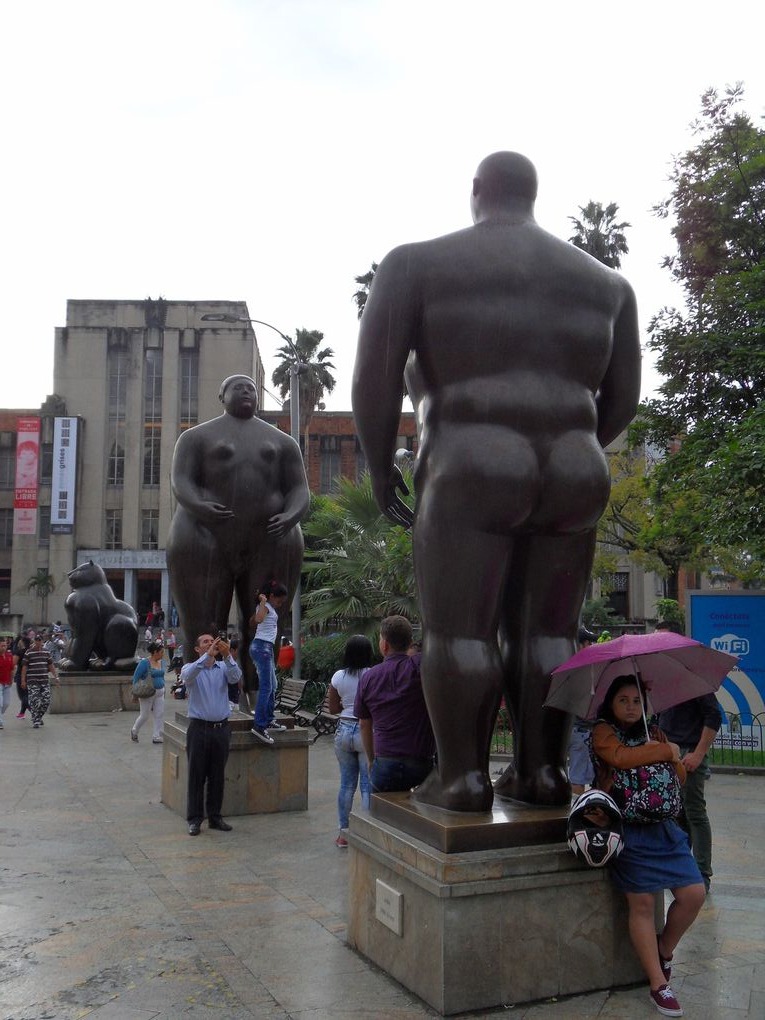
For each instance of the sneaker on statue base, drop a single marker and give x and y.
(262, 735)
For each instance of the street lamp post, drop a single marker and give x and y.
(296, 369)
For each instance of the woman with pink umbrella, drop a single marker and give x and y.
(642, 772)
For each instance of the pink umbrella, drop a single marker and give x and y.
(672, 668)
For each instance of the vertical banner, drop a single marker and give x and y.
(64, 476)
(27, 467)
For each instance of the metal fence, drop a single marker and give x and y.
(739, 741)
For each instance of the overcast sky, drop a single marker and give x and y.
(269, 151)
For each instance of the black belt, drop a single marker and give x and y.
(206, 722)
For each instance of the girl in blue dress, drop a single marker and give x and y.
(656, 854)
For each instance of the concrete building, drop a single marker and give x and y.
(129, 377)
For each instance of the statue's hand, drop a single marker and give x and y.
(279, 525)
(213, 513)
(390, 503)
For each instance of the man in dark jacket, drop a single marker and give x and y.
(693, 726)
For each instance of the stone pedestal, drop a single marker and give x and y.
(481, 929)
(259, 779)
(92, 692)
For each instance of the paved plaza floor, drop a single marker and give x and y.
(110, 911)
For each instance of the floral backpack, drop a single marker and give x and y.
(647, 793)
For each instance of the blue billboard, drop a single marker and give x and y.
(734, 622)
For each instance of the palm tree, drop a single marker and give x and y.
(42, 584)
(365, 282)
(315, 377)
(599, 235)
(359, 566)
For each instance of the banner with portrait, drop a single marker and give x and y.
(27, 470)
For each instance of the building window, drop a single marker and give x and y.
(113, 538)
(150, 529)
(46, 463)
(152, 437)
(361, 461)
(43, 526)
(188, 389)
(6, 528)
(119, 362)
(152, 394)
(7, 460)
(5, 590)
(329, 457)
(115, 463)
(619, 597)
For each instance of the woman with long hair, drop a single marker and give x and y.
(265, 621)
(349, 749)
(155, 705)
(641, 772)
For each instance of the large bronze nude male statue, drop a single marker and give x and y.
(242, 491)
(521, 356)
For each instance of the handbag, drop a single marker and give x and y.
(646, 793)
(143, 684)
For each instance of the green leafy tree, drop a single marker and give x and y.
(364, 282)
(359, 566)
(598, 233)
(709, 412)
(316, 378)
(42, 583)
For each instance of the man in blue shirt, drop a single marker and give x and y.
(209, 733)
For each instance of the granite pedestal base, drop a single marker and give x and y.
(92, 692)
(259, 779)
(481, 929)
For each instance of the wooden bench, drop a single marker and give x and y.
(313, 698)
(325, 722)
(289, 696)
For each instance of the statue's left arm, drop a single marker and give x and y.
(387, 334)
(619, 392)
(295, 489)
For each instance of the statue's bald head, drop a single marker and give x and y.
(503, 180)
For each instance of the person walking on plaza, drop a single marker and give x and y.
(390, 706)
(6, 678)
(693, 725)
(265, 621)
(35, 670)
(155, 705)
(209, 734)
(349, 748)
(22, 646)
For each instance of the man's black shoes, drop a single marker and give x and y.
(218, 823)
(194, 828)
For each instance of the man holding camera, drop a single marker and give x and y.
(209, 734)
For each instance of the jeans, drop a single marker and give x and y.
(151, 706)
(353, 769)
(390, 774)
(5, 697)
(262, 654)
(694, 818)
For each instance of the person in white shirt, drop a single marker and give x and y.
(265, 620)
(349, 748)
